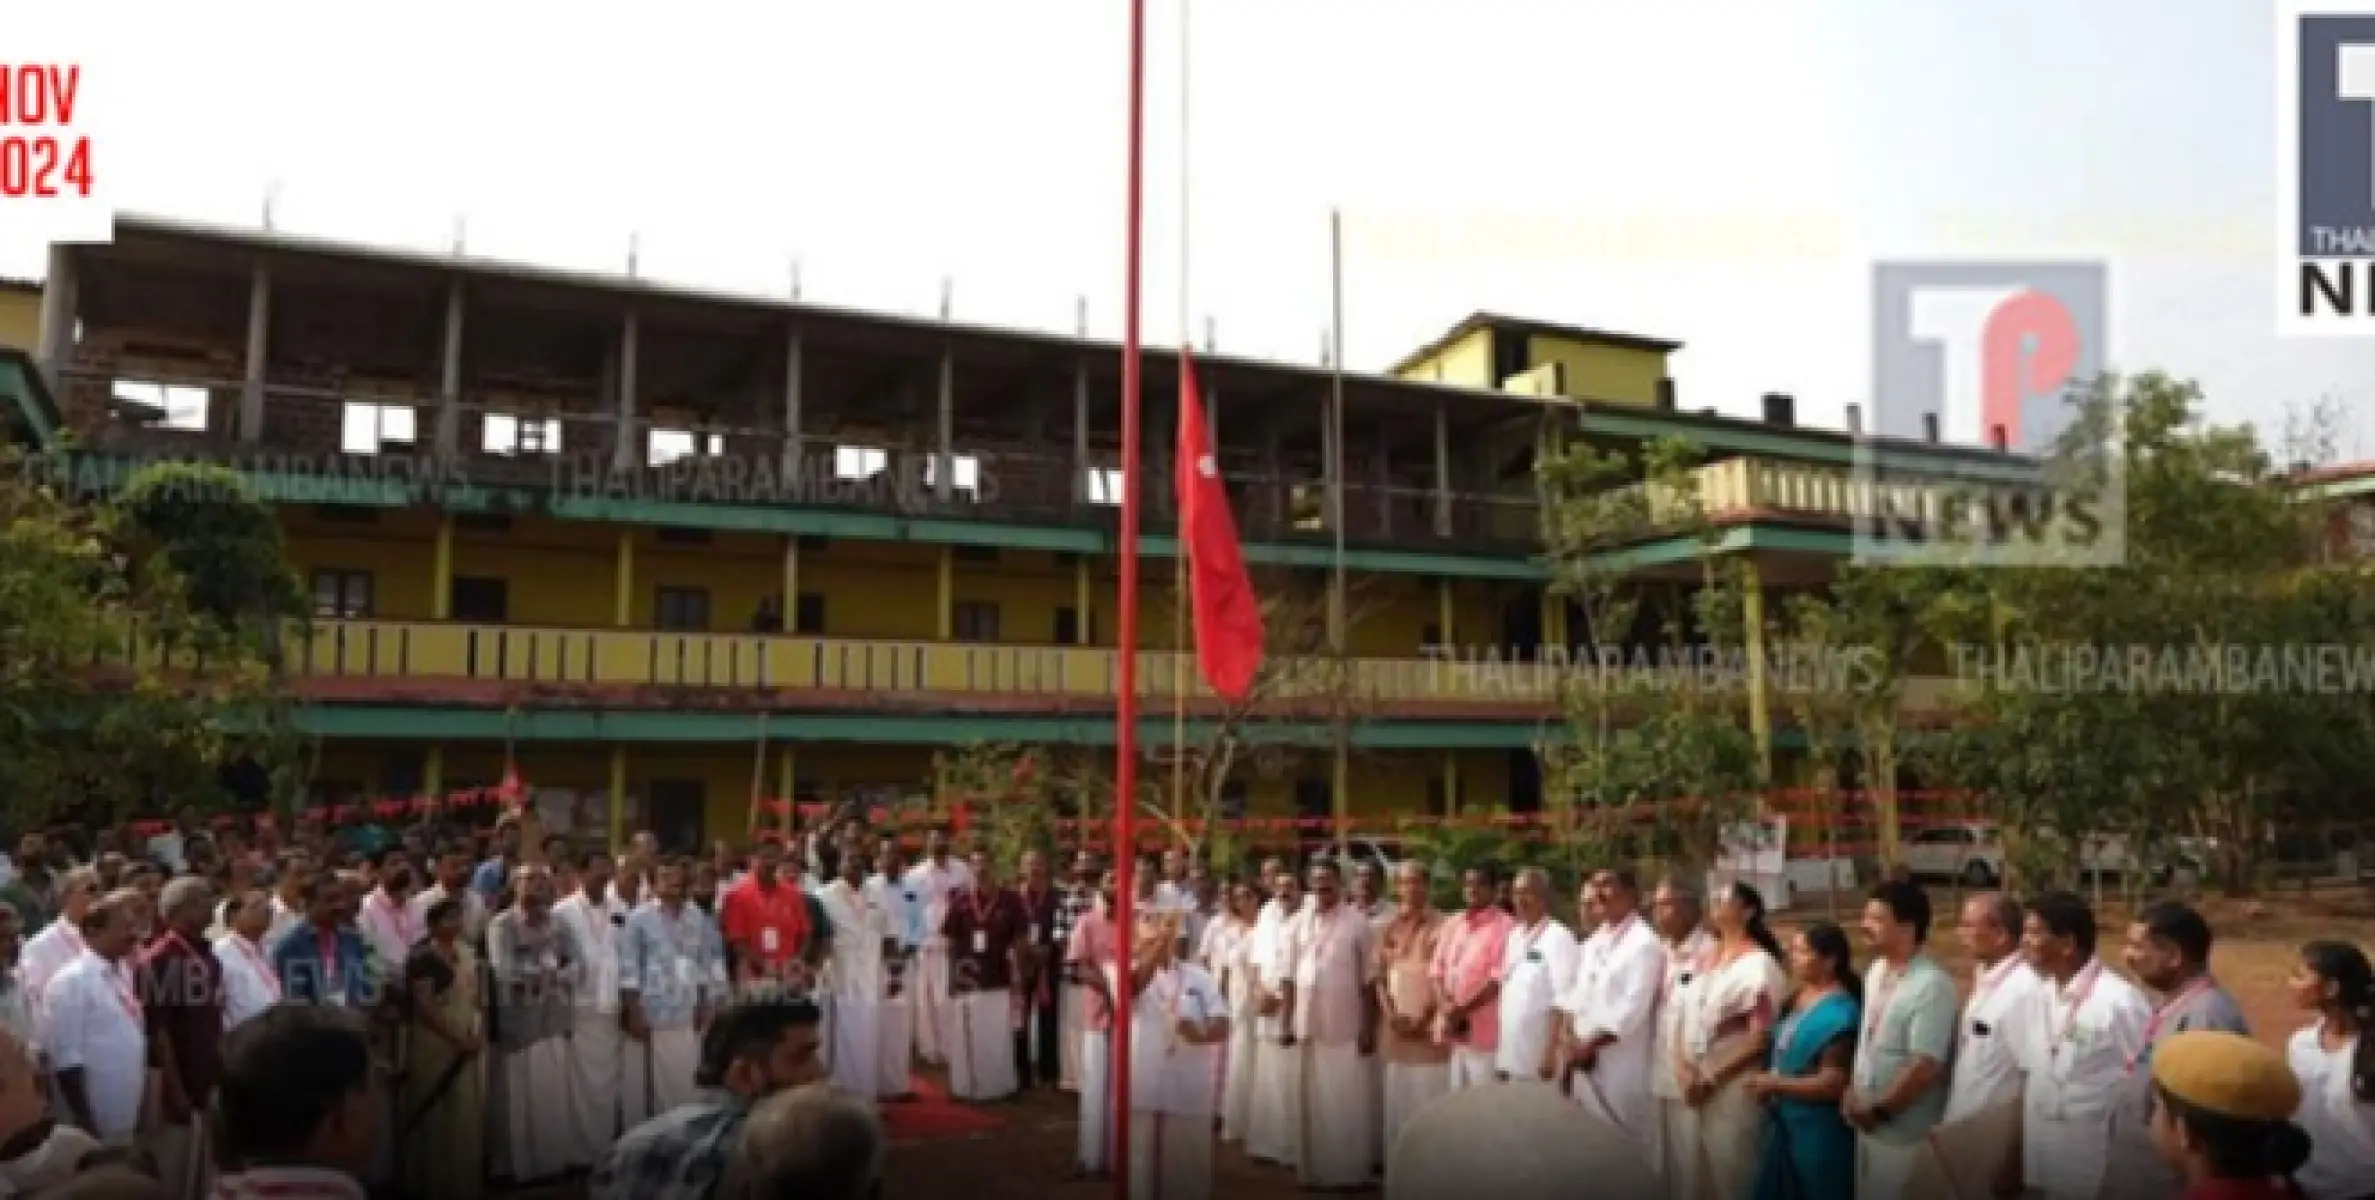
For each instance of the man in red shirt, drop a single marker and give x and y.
(986, 928)
(769, 927)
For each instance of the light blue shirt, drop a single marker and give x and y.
(898, 898)
(1912, 1019)
(671, 965)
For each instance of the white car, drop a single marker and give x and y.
(1972, 853)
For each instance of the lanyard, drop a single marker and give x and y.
(2085, 987)
(125, 994)
(1882, 993)
(398, 917)
(2152, 1028)
(1994, 978)
(255, 957)
(981, 916)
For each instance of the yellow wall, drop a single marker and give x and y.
(20, 318)
(1599, 372)
(1467, 362)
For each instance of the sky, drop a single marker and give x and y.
(1723, 173)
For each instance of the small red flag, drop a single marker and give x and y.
(1228, 617)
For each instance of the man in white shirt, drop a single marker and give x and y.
(97, 1033)
(597, 1043)
(1537, 965)
(2088, 1028)
(453, 880)
(1676, 910)
(934, 880)
(59, 943)
(1984, 1089)
(1274, 1132)
(1178, 1025)
(386, 921)
(887, 889)
(1611, 1029)
(1333, 1023)
(290, 888)
(861, 927)
(249, 984)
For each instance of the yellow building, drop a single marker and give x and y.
(686, 548)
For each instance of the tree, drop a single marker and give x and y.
(1653, 757)
(118, 695)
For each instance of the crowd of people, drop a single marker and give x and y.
(449, 1011)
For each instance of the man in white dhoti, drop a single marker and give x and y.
(1368, 898)
(597, 1040)
(1178, 1023)
(1224, 955)
(984, 930)
(1986, 1079)
(1417, 1067)
(1275, 1132)
(1080, 895)
(935, 881)
(672, 976)
(1682, 927)
(887, 888)
(1537, 965)
(1092, 952)
(1610, 1034)
(862, 938)
(1898, 1089)
(1334, 1024)
(530, 957)
(2089, 1027)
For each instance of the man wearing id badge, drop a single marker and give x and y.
(984, 929)
(672, 976)
(2168, 951)
(2089, 1025)
(767, 925)
(323, 960)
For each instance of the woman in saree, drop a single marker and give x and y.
(1809, 1148)
(444, 1097)
(1727, 1027)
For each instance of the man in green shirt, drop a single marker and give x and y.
(1898, 1090)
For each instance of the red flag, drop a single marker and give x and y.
(1228, 617)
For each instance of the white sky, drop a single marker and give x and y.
(1721, 172)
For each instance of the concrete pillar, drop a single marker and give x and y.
(628, 455)
(259, 345)
(449, 379)
(944, 484)
(1081, 494)
(441, 570)
(1451, 783)
(59, 302)
(622, 601)
(791, 583)
(1442, 470)
(1383, 471)
(1446, 613)
(433, 773)
(1084, 603)
(794, 376)
(1760, 716)
(947, 593)
(618, 799)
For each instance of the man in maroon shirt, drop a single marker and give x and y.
(1036, 1043)
(986, 929)
(181, 986)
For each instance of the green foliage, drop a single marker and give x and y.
(119, 695)
(200, 522)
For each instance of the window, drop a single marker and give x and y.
(1067, 630)
(964, 473)
(975, 621)
(808, 615)
(668, 445)
(342, 594)
(1103, 485)
(1314, 798)
(373, 428)
(170, 407)
(684, 610)
(505, 434)
(475, 598)
(852, 464)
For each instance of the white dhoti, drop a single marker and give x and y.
(1339, 1116)
(1170, 1156)
(533, 1134)
(671, 1059)
(1410, 1087)
(895, 1033)
(934, 1007)
(182, 1155)
(856, 1047)
(1965, 1155)
(1374, 1065)
(1471, 1068)
(1072, 1023)
(1884, 1170)
(1096, 1101)
(1714, 1147)
(1669, 1131)
(595, 1049)
(2065, 1159)
(1274, 1133)
(981, 1046)
(1237, 1079)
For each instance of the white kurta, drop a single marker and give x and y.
(932, 1004)
(2341, 1127)
(389, 929)
(1620, 971)
(856, 983)
(1173, 1086)
(596, 1047)
(532, 1140)
(1538, 965)
(1227, 943)
(1989, 1049)
(1334, 966)
(249, 986)
(1715, 1146)
(2084, 1037)
(96, 1026)
(1684, 960)
(1274, 1130)
(45, 955)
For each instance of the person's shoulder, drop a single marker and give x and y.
(2306, 1040)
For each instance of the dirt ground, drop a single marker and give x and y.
(1029, 1157)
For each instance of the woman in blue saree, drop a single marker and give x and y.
(1809, 1151)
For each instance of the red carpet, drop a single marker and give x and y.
(932, 1116)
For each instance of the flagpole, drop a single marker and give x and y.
(1339, 637)
(1125, 706)
(1179, 562)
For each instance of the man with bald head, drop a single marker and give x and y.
(181, 984)
(95, 1036)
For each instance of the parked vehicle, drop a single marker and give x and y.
(1972, 853)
